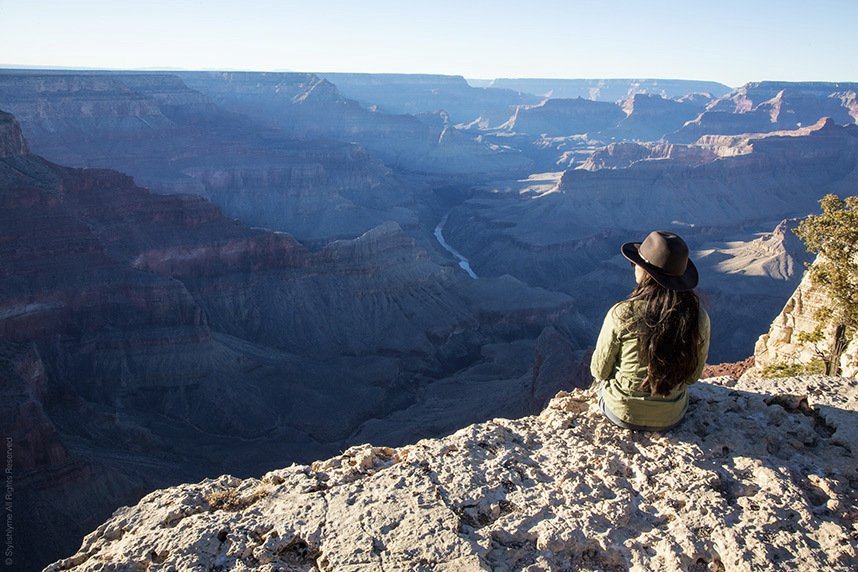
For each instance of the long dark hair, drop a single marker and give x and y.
(667, 325)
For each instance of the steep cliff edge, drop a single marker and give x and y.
(760, 476)
(781, 347)
(11, 138)
(564, 117)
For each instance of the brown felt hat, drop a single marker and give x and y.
(664, 255)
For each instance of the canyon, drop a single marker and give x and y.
(227, 272)
(149, 339)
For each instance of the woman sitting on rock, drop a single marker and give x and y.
(654, 343)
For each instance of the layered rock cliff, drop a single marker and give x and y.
(564, 117)
(625, 154)
(760, 476)
(424, 93)
(175, 139)
(11, 139)
(306, 106)
(772, 106)
(781, 348)
(714, 193)
(610, 90)
(650, 117)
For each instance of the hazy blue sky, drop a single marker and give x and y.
(722, 40)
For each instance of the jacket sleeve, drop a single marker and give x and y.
(607, 349)
(704, 345)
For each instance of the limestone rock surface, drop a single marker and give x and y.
(781, 345)
(761, 475)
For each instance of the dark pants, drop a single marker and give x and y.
(620, 423)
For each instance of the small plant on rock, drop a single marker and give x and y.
(815, 366)
(231, 500)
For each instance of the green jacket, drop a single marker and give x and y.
(618, 365)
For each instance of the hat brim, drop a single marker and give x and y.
(687, 281)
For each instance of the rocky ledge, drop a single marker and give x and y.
(761, 475)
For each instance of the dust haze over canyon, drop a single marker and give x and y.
(226, 272)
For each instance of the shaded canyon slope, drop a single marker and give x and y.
(146, 339)
(174, 139)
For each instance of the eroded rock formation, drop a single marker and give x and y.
(610, 90)
(651, 117)
(772, 106)
(424, 93)
(782, 347)
(308, 107)
(174, 139)
(11, 139)
(564, 117)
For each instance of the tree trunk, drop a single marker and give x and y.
(838, 344)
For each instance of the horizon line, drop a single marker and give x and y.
(27, 67)
(169, 69)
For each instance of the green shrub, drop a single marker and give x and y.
(814, 367)
(833, 235)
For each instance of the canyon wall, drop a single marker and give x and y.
(308, 107)
(176, 140)
(424, 93)
(780, 348)
(759, 107)
(610, 90)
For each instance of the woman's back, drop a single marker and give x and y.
(619, 362)
(655, 343)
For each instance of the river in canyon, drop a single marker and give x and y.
(463, 262)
